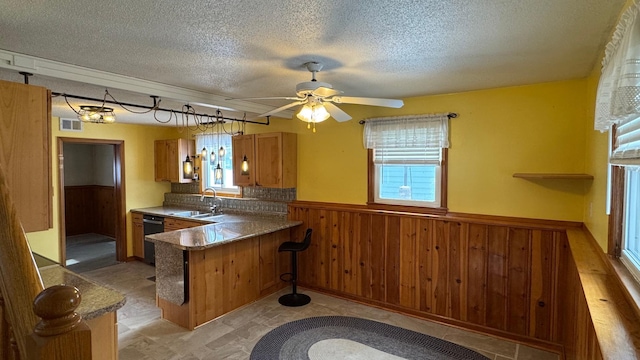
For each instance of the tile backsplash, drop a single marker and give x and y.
(255, 200)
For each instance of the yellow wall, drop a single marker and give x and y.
(140, 188)
(536, 128)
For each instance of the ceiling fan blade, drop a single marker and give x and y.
(323, 91)
(392, 103)
(268, 98)
(336, 112)
(281, 108)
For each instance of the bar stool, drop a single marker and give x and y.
(295, 299)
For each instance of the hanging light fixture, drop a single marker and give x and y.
(245, 166)
(222, 151)
(313, 113)
(203, 154)
(187, 168)
(96, 114)
(218, 173)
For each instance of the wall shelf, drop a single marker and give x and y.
(561, 176)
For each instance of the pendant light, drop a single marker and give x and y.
(187, 168)
(203, 154)
(218, 173)
(222, 151)
(245, 166)
(96, 114)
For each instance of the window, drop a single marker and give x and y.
(630, 254)
(213, 143)
(407, 160)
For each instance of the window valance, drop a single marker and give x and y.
(618, 94)
(412, 131)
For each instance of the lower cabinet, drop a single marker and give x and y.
(171, 224)
(138, 235)
(228, 276)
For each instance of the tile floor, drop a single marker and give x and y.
(143, 335)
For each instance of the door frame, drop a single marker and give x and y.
(121, 211)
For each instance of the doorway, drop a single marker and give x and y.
(91, 207)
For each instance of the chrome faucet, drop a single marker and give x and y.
(214, 207)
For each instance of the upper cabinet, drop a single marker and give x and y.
(169, 155)
(25, 152)
(242, 146)
(274, 161)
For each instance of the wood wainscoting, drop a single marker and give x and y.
(492, 274)
(90, 209)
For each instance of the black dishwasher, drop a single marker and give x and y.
(152, 225)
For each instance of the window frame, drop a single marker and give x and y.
(372, 186)
(204, 169)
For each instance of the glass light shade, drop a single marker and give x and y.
(221, 152)
(203, 154)
(313, 113)
(96, 114)
(245, 166)
(187, 168)
(218, 172)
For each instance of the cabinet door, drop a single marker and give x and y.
(174, 163)
(269, 159)
(25, 152)
(160, 160)
(171, 224)
(276, 160)
(138, 235)
(243, 146)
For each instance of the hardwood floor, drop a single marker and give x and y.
(143, 335)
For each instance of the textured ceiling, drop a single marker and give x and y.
(378, 48)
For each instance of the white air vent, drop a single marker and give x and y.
(70, 125)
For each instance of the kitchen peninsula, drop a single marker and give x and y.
(206, 271)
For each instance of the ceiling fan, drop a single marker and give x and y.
(318, 99)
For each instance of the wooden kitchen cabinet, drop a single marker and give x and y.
(25, 152)
(169, 155)
(275, 161)
(242, 146)
(138, 235)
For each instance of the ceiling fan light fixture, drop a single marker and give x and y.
(313, 113)
(96, 114)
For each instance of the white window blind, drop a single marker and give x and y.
(415, 131)
(627, 143)
(407, 156)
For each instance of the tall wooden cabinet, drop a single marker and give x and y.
(169, 155)
(138, 235)
(274, 163)
(25, 152)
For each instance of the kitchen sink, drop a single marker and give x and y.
(189, 213)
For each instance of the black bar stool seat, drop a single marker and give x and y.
(295, 299)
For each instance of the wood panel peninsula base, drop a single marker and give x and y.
(218, 278)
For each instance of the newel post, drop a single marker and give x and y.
(61, 334)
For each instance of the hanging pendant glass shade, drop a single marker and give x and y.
(203, 154)
(314, 113)
(212, 158)
(96, 114)
(221, 152)
(187, 168)
(245, 166)
(218, 173)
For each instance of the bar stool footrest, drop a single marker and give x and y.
(290, 275)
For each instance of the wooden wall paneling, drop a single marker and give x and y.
(477, 274)
(323, 229)
(377, 256)
(560, 287)
(392, 260)
(497, 277)
(105, 217)
(440, 268)
(351, 254)
(337, 266)
(364, 256)
(309, 260)
(457, 280)
(204, 289)
(408, 265)
(268, 245)
(424, 251)
(518, 280)
(541, 307)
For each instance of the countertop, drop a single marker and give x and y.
(218, 230)
(96, 300)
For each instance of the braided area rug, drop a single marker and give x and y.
(341, 337)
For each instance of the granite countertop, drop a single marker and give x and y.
(96, 300)
(219, 230)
